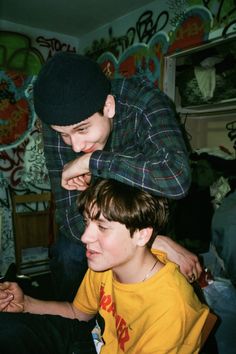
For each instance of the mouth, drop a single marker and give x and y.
(91, 149)
(91, 253)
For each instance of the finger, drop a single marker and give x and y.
(87, 178)
(194, 275)
(199, 269)
(82, 188)
(69, 188)
(79, 181)
(191, 278)
(196, 272)
(5, 285)
(5, 302)
(81, 185)
(69, 185)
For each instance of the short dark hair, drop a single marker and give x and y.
(130, 206)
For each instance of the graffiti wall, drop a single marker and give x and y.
(133, 44)
(22, 162)
(138, 42)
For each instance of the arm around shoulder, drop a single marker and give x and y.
(188, 262)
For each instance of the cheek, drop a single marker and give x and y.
(110, 246)
(94, 135)
(102, 133)
(118, 249)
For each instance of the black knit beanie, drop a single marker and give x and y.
(69, 89)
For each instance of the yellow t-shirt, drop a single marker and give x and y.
(160, 315)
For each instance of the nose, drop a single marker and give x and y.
(89, 234)
(76, 144)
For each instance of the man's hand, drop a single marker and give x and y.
(11, 297)
(188, 262)
(76, 174)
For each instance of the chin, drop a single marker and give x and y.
(97, 268)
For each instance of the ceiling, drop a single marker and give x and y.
(71, 17)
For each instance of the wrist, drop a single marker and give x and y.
(161, 243)
(26, 303)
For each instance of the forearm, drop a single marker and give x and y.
(42, 307)
(165, 174)
(57, 154)
(173, 250)
(162, 243)
(57, 308)
(188, 262)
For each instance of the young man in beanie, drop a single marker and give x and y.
(142, 302)
(120, 129)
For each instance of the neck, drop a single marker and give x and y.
(138, 269)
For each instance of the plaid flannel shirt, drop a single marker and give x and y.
(145, 149)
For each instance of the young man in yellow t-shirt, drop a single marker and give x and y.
(142, 302)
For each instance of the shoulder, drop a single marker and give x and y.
(139, 91)
(175, 287)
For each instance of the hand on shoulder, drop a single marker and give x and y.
(188, 262)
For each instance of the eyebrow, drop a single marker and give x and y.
(99, 219)
(81, 124)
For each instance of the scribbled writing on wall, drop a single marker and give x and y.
(54, 45)
(147, 26)
(223, 13)
(114, 45)
(143, 31)
(11, 164)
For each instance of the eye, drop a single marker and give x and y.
(82, 130)
(102, 227)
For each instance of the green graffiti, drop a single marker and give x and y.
(17, 54)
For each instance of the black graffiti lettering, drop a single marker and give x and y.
(221, 17)
(219, 11)
(145, 27)
(54, 45)
(43, 42)
(130, 34)
(162, 21)
(228, 27)
(123, 43)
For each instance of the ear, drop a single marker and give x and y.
(109, 109)
(143, 236)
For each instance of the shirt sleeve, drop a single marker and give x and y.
(57, 154)
(87, 297)
(157, 161)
